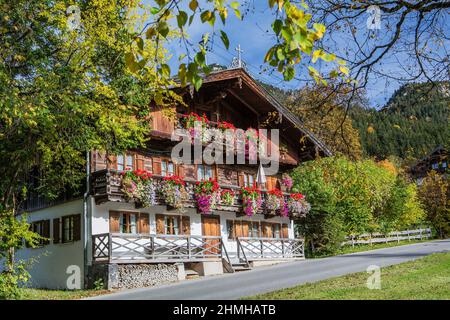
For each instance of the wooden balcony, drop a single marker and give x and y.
(107, 186)
(140, 248)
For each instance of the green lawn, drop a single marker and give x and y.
(42, 294)
(426, 278)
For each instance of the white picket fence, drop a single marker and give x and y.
(371, 238)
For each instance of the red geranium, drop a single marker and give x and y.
(224, 125)
(176, 180)
(297, 196)
(276, 192)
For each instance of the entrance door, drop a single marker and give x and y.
(211, 227)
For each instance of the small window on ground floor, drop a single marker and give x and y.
(42, 228)
(67, 229)
(129, 222)
(172, 224)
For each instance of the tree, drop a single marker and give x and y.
(433, 193)
(319, 107)
(65, 89)
(377, 52)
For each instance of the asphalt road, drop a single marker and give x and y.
(266, 279)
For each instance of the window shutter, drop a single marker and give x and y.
(285, 233)
(144, 223)
(114, 223)
(157, 166)
(180, 170)
(112, 162)
(57, 230)
(265, 229)
(186, 223)
(238, 228)
(139, 159)
(77, 227)
(270, 184)
(159, 224)
(245, 226)
(241, 179)
(46, 231)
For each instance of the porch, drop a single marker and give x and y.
(121, 248)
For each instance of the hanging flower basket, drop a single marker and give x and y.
(173, 190)
(251, 200)
(227, 197)
(139, 186)
(274, 202)
(298, 206)
(197, 126)
(207, 195)
(287, 182)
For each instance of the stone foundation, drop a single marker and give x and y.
(127, 276)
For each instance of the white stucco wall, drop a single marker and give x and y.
(49, 271)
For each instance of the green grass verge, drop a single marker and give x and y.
(366, 247)
(43, 294)
(426, 278)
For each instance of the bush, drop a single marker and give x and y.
(352, 198)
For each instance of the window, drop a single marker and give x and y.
(249, 180)
(125, 162)
(67, 229)
(238, 228)
(204, 172)
(127, 223)
(276, 230)
(167, 168)
(172, 224)
(254, 229)
(435, 166)
(42, 228)
(444, 164)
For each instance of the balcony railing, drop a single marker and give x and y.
(269, 248)
(107, 186)
(140, 248)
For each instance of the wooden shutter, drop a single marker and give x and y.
(180, 170)
(114, 223)
(77, 227)
(144, 223)
(156, 166)
(186, 225)
(241, 179)
(159, 224)
(245, 226)
(271, 183)
(46, 231)
(238, 228)
(57, 230)
(139, 160)
(285, 231)
(112, 162)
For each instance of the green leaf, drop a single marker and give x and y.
(150, 33)
(154, 10)
(288, 73)
(234, 4)
(197, 81)
(163, 29)
(224, 38)
(276, 26)
(205, 16)
(165, 70)
(200, 58)
(237, 13)
(316, 55)
(140, 43)
(182, 18)
(280, 54)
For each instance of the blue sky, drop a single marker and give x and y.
(254, 35)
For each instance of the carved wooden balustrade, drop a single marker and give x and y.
(107, 186)
(141, 248)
